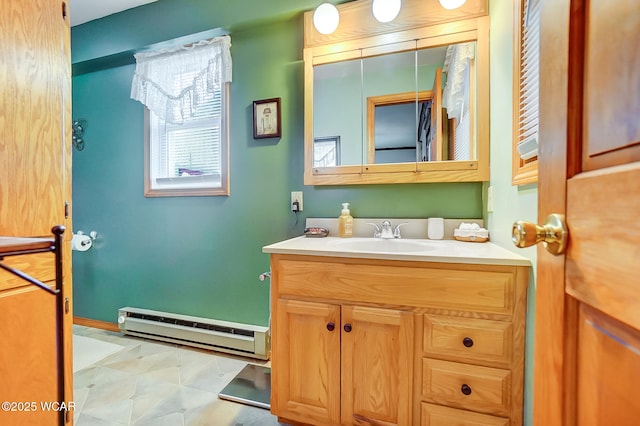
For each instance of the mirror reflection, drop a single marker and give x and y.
(410, 106)
(389, 90)
(458, 103)
(392, 124)
(337, 106)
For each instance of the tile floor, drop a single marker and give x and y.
(155, 383)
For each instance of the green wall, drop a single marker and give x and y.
(202, 255)
(511, 203)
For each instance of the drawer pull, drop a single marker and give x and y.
(331, 326)
(347, 328)
(465, 389)
(467, 341)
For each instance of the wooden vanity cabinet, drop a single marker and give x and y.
(337, 363)
(386, 342)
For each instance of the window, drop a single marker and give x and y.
(189, 158)
(186, 120)
(526, 92)
(326, 152)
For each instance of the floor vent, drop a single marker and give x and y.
(240, 339)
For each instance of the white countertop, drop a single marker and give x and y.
(448, 251)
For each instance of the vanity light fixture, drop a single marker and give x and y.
(326, 18)
(386, 10)
(452, 4)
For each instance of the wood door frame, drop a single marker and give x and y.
(561, 82)
(550, 308)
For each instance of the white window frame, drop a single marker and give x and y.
(186, 186)
(525, 91)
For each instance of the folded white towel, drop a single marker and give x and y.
(471, 230)
(469, 227)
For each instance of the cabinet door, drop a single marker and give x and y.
(377, 366)
(306, 362)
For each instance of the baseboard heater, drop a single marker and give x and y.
(224, 336)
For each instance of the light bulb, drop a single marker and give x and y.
(326, 18)
(386, 10)
(452, 4)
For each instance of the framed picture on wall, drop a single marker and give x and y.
(266, 118)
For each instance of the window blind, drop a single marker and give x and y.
(529, 80)
(189, 154)
(193, 147)
(526, 88)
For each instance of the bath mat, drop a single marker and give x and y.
(252, 386)
(88, 351)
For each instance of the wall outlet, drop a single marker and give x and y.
(296, 196)
(490, 199)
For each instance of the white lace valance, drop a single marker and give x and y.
(456, 91)
(171, 82)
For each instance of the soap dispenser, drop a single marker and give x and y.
(345, 222)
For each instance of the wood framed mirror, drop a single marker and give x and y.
(360, 57)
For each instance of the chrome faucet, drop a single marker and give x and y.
(376, 232)
(396, 232)
(387, 232)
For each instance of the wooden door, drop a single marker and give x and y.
(306, 362)
(435, 147)
(587, 340)
(377, 348)
(35, 183)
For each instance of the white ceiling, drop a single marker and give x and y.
(87, 10)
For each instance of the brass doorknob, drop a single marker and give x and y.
(553, 234)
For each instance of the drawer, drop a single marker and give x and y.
(470, 387)
(485, 289)
(40, 266)
(437, 415)
(468, 340)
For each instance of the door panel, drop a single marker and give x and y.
(31, 100)
(611, 75)
(604, 249)
(608, 371)
(586, 358)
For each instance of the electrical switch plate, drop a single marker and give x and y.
(490, 199)
(296, 196)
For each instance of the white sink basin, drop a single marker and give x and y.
(379, 245)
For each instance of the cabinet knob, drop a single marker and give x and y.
(467, 341)
(347, 328)
(465, 389)
(331, 326)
